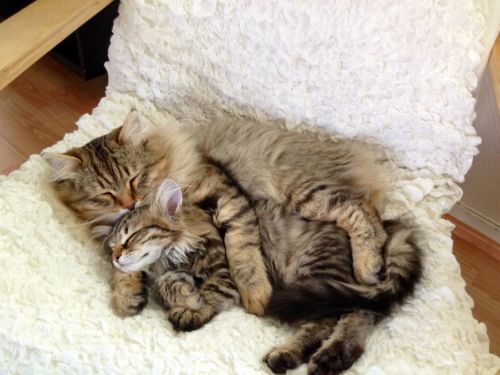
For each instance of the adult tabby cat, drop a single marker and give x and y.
(309, 262)
(320, 180)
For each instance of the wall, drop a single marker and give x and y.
(482, 184)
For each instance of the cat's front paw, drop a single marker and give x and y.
(185, 319)
(130, 293)
(255, 297)
(368, 263)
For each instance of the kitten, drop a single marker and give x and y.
(183, 254)
(320, 180)
(310, 266)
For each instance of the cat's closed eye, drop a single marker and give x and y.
(133, 183)
(104, 199)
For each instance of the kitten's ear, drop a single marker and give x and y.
(133, 130)
(100, 232)
(169, 197)
(63, 165)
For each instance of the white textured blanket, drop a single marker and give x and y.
(395, 73)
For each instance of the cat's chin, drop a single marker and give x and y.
(128, 267)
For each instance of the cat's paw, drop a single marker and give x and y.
(130, 294)
(334, 359)
(280, 360)
(255, 297)
(368, 263)
(185, 319)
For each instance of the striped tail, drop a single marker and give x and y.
(313, 299)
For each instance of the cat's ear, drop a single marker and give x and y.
(133, 130)
(169, 197)
(100, 232)
(63, 165)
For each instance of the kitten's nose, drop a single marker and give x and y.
(116, 255)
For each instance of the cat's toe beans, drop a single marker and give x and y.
(280, 360)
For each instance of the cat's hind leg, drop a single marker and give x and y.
(300, 347)
(345, 345)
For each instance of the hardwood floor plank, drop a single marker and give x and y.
(481, 272)
(10, 158)
(40, 106)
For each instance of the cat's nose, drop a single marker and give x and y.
(128, 203)
(116, 255)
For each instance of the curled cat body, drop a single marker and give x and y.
(319, 180)
(309, 263)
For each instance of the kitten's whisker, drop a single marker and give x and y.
(103, 219)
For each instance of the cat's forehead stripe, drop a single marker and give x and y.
(105, 164)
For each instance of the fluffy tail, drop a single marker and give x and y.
(313, 299)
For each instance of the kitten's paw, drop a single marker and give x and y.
(368, 263)
(280, 360)
(256, 297)
(185, 319)
(130, 294)
(334, 359)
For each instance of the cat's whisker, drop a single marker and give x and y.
(103, 219)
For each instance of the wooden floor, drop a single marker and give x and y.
(481, 272)
(41, 105)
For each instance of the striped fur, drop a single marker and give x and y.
(310, 265)
(315, 287)
(185, 260)
(112, 174)
(334, 181)
(320, 180)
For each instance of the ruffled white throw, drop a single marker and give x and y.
(395, 73)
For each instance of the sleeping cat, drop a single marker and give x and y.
(182, 252)
(309, 262)
(320, 180)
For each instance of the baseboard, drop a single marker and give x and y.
(479, 240)
(477, 222)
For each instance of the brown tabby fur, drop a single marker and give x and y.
(185, 259)
(226, 167)
(334, 317)
(334, 181)
(321, 180)
(110, 175)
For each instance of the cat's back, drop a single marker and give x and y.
(264, 159)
